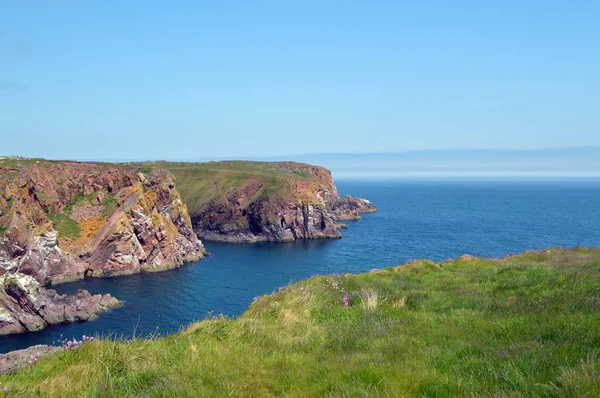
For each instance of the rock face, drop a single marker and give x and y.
(62, 221)
(25, 306)
(350, 208)
(15, 360)
(258, 201)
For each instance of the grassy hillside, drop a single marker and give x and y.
(525, 325)
(200, 183)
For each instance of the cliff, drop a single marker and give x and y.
(240, 201)
(62, 221)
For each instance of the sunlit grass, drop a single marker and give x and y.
(525, 325)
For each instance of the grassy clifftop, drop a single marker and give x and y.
(199, 183)
(519, 326)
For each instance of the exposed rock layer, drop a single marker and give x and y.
(62, 221)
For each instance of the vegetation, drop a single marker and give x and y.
(110, 204)
(65, 225)
(524, 325)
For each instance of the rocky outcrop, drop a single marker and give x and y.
(25, 306)
(19, 359)
(257, 201)
(350, 208)
(62, 221)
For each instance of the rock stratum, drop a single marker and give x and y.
(63, 221)
(238, 201)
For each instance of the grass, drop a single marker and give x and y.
(110, 204)
(526, 325)
(65, 225)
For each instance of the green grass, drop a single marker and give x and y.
(65, 225)
(527, 325)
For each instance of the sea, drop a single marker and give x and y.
(416, 219)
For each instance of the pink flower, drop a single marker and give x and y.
(5, 389)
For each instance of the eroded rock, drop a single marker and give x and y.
(26, 306)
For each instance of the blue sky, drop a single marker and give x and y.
(185, 79)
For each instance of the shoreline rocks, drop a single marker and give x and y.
(26, 306)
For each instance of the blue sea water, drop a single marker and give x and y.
(416, 219)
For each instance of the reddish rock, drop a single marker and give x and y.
(306, 207)
(129, 221)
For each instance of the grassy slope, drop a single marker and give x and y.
(198, 183)
(521, 326)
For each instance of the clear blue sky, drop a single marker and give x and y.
(183, 79)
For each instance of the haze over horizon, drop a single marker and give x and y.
(576, 162)
(163, 80)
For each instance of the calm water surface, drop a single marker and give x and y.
(430, 219)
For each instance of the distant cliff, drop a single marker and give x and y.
(239, 201)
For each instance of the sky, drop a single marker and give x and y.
(191, 79)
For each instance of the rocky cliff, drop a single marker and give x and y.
(261, 201)
(62, 221)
